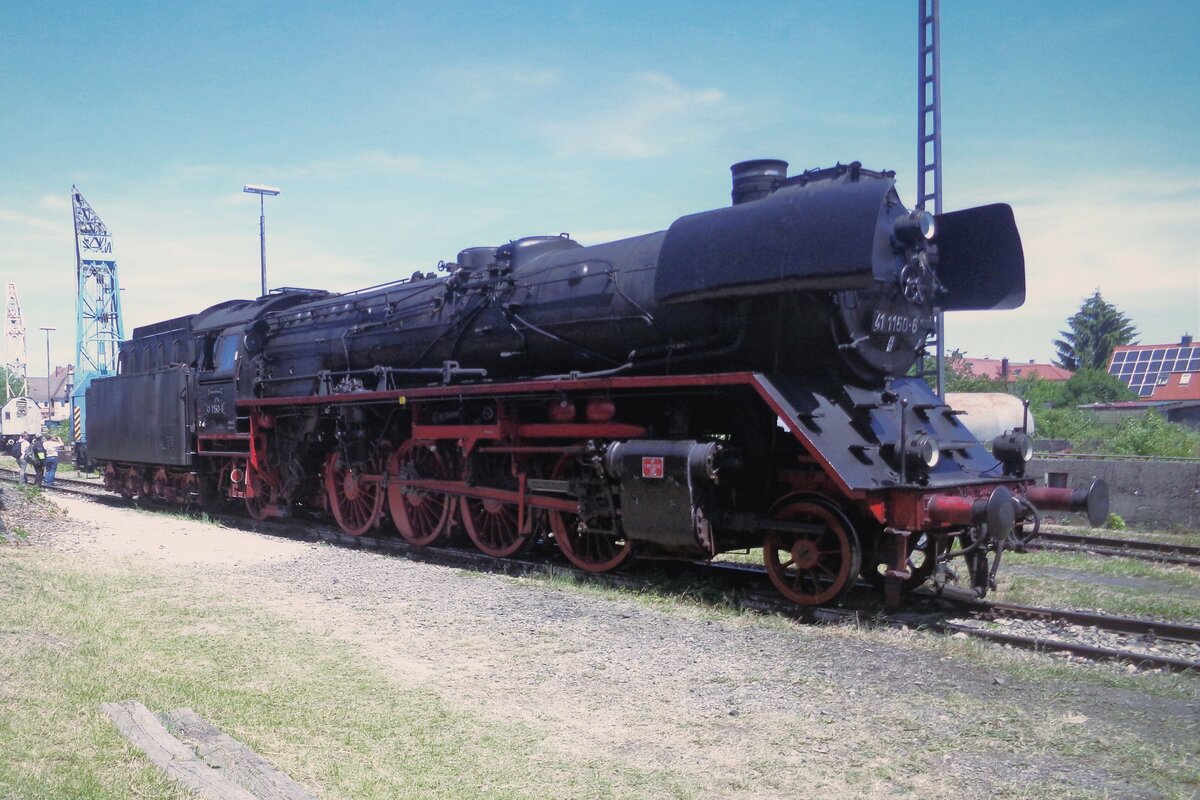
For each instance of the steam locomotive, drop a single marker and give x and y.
(741, 380)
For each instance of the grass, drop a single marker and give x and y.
(1078, 580)
(71, 638)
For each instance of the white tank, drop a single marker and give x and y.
(989, 414)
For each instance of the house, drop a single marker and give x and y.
(1002, 369)
(1165, 377)
(62, 381)
(1159, 372)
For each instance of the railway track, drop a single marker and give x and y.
(1162, 552)
(1097, 637)
(1087, 635)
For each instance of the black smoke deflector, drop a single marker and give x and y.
(980, 260)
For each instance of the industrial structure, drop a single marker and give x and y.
(16, 354)
(98, 323)
(929, 150)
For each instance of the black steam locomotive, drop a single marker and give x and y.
(740, 380)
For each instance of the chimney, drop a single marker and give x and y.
(1186, 340)
(754, 180)
(1004, 369)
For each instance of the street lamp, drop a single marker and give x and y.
(49, 396)
(262, 192)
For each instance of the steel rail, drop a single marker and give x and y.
(1114, 543)
(1156, 629)
(1090, 652)
(749, 580)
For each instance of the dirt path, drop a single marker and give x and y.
(739, 707)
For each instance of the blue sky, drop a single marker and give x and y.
(401, 133)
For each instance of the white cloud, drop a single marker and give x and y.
(649, 115)
(1131, 234)
(468, 88)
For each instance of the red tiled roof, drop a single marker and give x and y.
(1176, 389)
(1048, 372)
(994, 367)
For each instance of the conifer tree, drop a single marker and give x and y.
(1092, 333)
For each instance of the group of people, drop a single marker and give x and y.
(41, 453)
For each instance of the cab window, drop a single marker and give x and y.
(226, 355)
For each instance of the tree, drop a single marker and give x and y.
(1092, 333)
(4, 381)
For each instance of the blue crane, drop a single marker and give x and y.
(98, 323)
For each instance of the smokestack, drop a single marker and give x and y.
(754, 180)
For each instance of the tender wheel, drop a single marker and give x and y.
(812, 568)
(264, 495)
(492, 524)
(591, 551)
(421, 517)
(356, 502)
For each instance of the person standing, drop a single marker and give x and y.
(52, 444)
(37, 454)
(24, 455)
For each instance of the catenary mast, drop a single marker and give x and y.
(929, 143)
(98, 323)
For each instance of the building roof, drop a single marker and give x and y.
(60, 385)
(1159, 371)
(1008, 370)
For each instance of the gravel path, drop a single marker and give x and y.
(733, 706)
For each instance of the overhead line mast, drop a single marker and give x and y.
(929, 143)
(98, 323)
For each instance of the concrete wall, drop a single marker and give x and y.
(1162, 494)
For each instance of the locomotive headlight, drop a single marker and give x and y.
(918, 224)
(1013, 450)
(922, 451)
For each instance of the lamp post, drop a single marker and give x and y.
(262, 192)
(49, 396)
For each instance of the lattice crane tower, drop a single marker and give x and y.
(98, 322)
(16, 354)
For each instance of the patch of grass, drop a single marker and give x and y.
(1078, 580)
(709, 597)
(18, 531)
(71, 638)
(179, 512)
(1065, 750)
(1110, 567)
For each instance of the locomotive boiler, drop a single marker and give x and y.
(741, 380)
